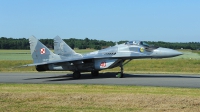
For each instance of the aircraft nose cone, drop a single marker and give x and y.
(176, 53)
(165, 53)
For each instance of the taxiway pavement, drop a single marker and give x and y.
(158, 80)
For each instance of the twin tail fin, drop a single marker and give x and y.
(61, 48)
(39, 52)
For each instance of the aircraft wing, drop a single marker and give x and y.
(63, 61)
(71, 60)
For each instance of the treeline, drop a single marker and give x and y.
(177, 45)
(23, 43)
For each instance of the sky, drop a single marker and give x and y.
(109, 20)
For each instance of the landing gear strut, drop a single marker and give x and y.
(120, 74)
(95, 73)
(76, 75)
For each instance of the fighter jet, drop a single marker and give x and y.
(66, 59)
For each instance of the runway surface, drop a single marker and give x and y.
(162, 80)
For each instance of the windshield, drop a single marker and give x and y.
(133, 42)
(137, 43)
(148, 47)
(144, 44)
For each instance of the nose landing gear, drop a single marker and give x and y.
(121, 74)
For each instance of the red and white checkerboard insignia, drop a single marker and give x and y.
(103, 64)
(42, 51)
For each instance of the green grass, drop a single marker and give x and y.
(57, 97)
(15, 56)
(14, 65)
(13, 51)
(164, 65)
(196, 51)
(188, 54)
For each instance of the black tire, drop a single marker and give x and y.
(95, 73)
(76, 75)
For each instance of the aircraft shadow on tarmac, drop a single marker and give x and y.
(108, 75)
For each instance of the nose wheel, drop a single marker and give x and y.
(120, 74)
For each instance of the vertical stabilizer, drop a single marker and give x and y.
(61, 48)
(40, 53)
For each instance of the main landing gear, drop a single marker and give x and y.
(95, 73)
(76, 75)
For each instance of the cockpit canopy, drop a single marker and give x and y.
(147, 47)
(137, 42)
